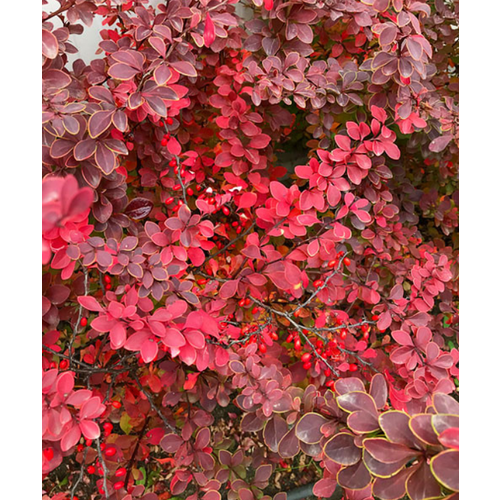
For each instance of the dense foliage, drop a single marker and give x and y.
(250, 249)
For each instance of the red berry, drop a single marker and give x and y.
(274, 336)
(262, 348)
(305, 357)
(110, 452)
(161, 124)
(329, 383)
(347, 261)
(108, 427)
(63, 364)
(108, 286)
(296, 312)
(164, 142)
(88, 442)
(289, 338)
(202, 281)
(190, 191)
(327, 372)
(307, 365)
(332, 263)
(79, 448)
(297, 345)
(375, 317)
(318, 283)
(365, 327)
(91, 469)
(107, 278)
(52, 365)
(172, 163)
(48, 453)
(169, 200)
(170, 121)
(121, 472)
(225, 210)
(84, 321)
(119, 485)
(343, 333)
(247, 301)
(353, 367)
(116, 404)
(241, 303)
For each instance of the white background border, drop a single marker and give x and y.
(20, 278)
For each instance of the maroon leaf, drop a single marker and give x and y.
(99, 122)
(421, 426)
(395, 424)
(445, 467)
(439, 143)
(387, 452)
(342, 450)
(289, 445)
(122, 71)
(422, 485)
(354, 477)
(139, 208)
(362, 422)
(184, 68)
(228, 289)
(392, 488)
(378, 390)
(357, 400)
(50, 45)
(308, 428)
(274, 431)
(105, 158)
(171, 443)
(84, 149)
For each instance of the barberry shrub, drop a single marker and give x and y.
(250, 249)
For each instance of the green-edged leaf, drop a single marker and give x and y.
(392, 488)
(380, 469)
(388, 452)
(378, 390)
(99, 122)
(442, 422)
(354, 477)
(342, 450)
(445, 468)
(289, 445)
(395, 424)
(357, 400)
(421, 426)
(362, 422)
(421, 485)
(184, 68)
(274, 431)
(308, 429)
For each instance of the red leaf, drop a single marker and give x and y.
(247, 200)
(209, 32)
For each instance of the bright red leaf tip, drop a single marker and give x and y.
(209, 33)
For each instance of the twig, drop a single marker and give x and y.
(104, 467)
(80, 476)
(79, 319)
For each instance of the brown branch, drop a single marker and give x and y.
(60, 10)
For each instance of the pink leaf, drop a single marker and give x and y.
(209, 33)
